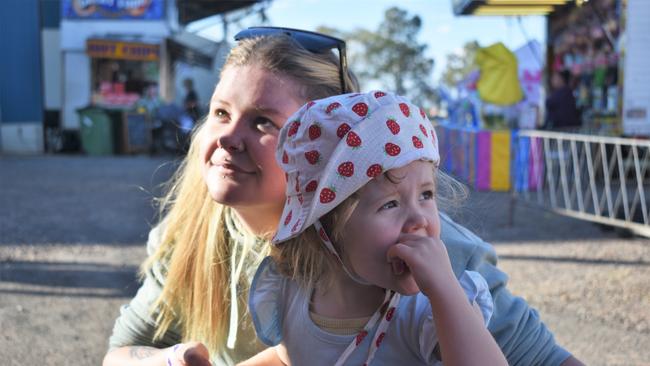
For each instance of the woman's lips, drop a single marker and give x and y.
(230, 168)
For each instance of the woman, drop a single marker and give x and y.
(227, 197)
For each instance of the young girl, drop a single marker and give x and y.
(359, 274)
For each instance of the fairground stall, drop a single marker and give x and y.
(572, 136)
(125, 61)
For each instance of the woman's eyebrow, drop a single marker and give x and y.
(269, 111)
(219, 101)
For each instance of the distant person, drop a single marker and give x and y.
(358, 274)
(150, 102)
(561, 110)
(191, 100)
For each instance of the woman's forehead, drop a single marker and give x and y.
(258, 88)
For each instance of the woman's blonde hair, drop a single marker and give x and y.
(307, 261)
(195, 248)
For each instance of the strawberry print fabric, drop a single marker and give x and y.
(332, 147)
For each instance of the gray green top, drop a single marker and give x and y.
(517, 328)
(136, 324)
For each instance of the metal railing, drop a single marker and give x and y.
(596, 178)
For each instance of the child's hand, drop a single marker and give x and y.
(189, 354)
(427, 260)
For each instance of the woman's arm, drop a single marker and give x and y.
(135, 356)
(185, 354)
(572, 361)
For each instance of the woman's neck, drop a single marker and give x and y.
(258, 221)
(345, 298)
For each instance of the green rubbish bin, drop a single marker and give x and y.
(96, 131)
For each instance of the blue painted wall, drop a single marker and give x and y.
(21, 96)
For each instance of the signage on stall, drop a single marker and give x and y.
(103, 48)
(113, 9)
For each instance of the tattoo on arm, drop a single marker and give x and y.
(139, 352)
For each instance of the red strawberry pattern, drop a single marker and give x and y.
(374, 170)
(424, 131)
(285, 157)
(314, 131)
(360, 109)
(392, 149)
(287, 219)
(346, 169)
(360, 336)
(322, 234)
(417, 142)
(295, 226)
(405, 109)
(300, 199)
(353, 140)
(312, 157)
(379, 94)
(311, 186)
(327, 195)
(392, 125)
(389, 313)
(380, 339)
(297, 185)
(342, 130)
(310, 104)
(294, 128)
(422, 113)
(330, 108)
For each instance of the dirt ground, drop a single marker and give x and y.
(72, 233)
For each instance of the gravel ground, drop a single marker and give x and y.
(72, 232)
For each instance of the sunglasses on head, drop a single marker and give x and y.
(311, 41)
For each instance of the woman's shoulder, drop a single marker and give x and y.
(155, 237)
(466, 250)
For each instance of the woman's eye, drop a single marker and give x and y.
(265, 125)
(427, 195)
(220, 113)
(388, 205)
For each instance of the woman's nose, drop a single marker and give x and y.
(231, 136)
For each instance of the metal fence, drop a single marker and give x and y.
(595, 178)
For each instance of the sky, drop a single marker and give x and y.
(443, 32)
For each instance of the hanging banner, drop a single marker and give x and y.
(104, 48)
(113, 9)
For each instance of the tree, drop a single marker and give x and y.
(459, 65)
(392, 56)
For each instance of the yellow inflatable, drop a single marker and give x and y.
(499, 80)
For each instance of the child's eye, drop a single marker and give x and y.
(388, 205)
(427, 195)
(265, 125)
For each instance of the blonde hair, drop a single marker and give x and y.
(318, 73)
(307, 261)
(195, 244)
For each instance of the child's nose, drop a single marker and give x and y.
(415, 222)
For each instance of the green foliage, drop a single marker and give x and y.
(460, 65)
(391, 56)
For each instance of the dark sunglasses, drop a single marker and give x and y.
(311, 41)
